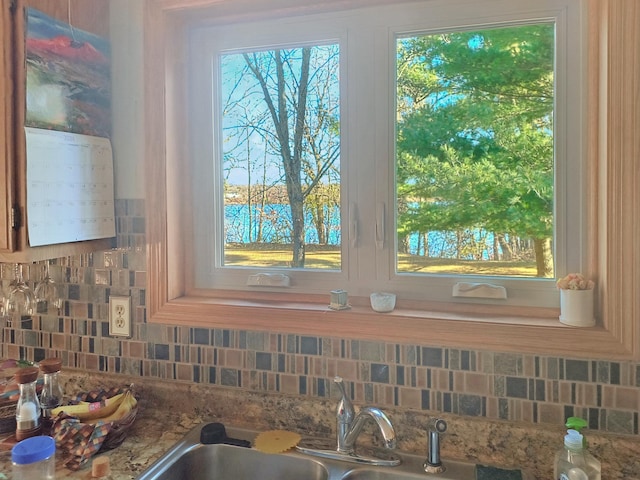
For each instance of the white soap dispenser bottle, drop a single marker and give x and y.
(573, 462)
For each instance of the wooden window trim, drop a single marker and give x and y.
(613, 120)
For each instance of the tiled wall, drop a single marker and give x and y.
(477, 383)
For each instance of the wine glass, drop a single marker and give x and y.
(46, 293)
(20, 300)
(4, 294)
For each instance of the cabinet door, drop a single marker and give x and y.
(89, 15)
(7, 155)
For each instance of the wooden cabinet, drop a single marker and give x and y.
(89, 15)
(7, 239)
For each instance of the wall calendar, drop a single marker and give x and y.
(70, 194)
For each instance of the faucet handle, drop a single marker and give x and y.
(346, 412)
(437, 425)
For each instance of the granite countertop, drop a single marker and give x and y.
(169, 410)
(149, 437)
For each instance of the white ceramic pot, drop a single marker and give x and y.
(576, 308)
(383, 302)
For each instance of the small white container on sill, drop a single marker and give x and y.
(576, 308)
(34, 458)
(383, 302)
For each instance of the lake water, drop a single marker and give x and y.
(276, 228)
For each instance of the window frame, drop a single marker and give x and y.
(369, 124)
(208, 239)
(568, 147)
(172, 299)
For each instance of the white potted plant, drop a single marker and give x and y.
(576, 300)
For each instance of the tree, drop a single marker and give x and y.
(322, 147)
(305, 126)
(475, 141)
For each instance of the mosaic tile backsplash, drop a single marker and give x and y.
(476, 383)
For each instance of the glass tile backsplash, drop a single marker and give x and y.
(476, 383)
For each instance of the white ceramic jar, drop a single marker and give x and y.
(383, 302)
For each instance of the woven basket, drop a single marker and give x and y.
(8, 416)
(79, 441)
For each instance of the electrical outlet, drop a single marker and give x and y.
(120, 316)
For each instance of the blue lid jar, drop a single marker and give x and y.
(32, 450)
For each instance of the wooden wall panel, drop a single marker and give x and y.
(89, 15)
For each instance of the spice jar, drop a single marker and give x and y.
(34, 458)
(28, 407)
(52, 393)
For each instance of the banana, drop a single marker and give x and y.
(93, 410)
(126, 405)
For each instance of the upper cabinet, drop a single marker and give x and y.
(88, 15)
(7, 238)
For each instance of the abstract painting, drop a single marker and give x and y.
(68, 77)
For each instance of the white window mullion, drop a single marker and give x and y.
(362, 171)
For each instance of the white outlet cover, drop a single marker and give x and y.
(120, 328)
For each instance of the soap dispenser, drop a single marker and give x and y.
(577, 424)
(574, 462)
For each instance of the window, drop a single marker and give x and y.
(304, 168)
(281, 157)
(475, 151)
(611, 181)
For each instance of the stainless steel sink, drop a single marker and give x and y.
(191, 460)
(411, 468)
(454, 471)
(231, 462)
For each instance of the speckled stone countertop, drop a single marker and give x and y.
(168, 410)
(147, 440)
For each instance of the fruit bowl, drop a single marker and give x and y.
(79, 439)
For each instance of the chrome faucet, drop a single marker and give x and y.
(350, 425)
(433, 464)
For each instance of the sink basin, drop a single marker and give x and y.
(377, 475)
(411, 468)
(465, 473)
(191, 460)
(227, 461)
